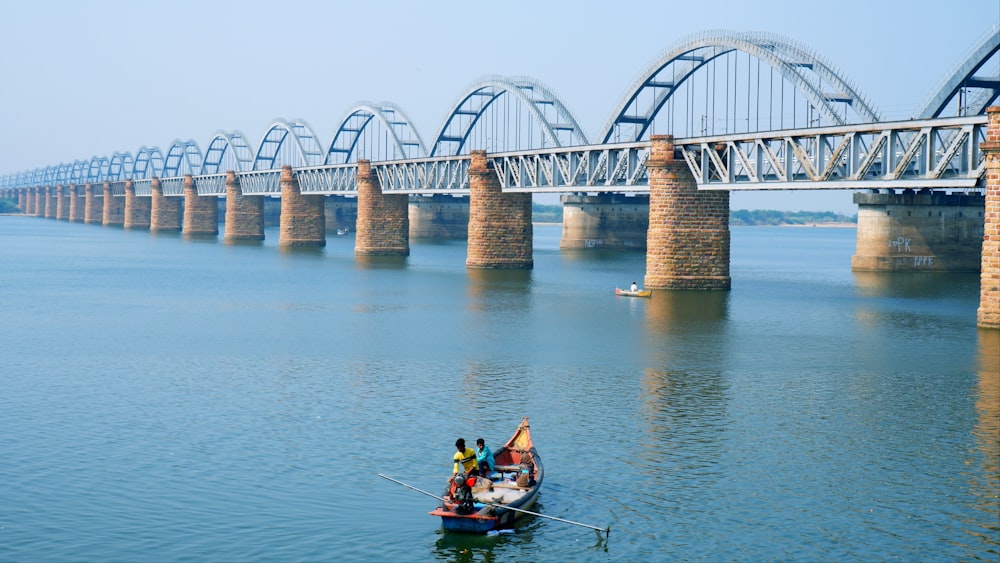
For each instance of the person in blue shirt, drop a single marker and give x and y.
(484, 457)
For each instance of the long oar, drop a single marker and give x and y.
(607, 531)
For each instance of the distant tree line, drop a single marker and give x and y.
(553, 214)
(8, 206)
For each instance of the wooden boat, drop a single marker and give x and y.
(629, 293)
(514, 484)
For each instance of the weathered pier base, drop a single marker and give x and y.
(606, 220)
(918, 231)
(500, 230)
(52, 201)
(303, 219)
(93, 204)
(244, 214)
(383, 219)
(439, 216)
(114, 207)
(41, 196)
(62, 202)
(988, 314)
(165, 212)
(201, 213)
(77, 203)
(137, 209)
(688, 242)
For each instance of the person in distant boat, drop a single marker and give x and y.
(634, 287)
(465, 460)
(484, 457)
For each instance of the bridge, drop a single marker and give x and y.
(716, 112)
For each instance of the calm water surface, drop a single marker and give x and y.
(166, 399)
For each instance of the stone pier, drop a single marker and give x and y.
(918, 231)
(137, 209)
(988, 315)
(114, 207)
(383, 219)
(41, 196)
(439, 216)
(62, 203)
(201, 213)
(687, 245)
(93, 204)
(52, 201)
(244, 214)
(164, 212)
(500, 230)
(606, 220)
(77, 203)
(303, 219)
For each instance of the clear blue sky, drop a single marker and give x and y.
(94, 77)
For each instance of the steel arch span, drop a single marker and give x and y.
(302, 148)
(97, 170)
(183, 157)
(557, 124)
(400, 134)
(120, 167)
(962, 90)
(227, 151)
(805, 71)
(148, 163)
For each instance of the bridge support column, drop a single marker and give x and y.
(62, 203)
(93, 204)
(41, 196)
(22, 200)
(988, 315)
(201, 213)
(439, 216)
(77, 203)
(137, 209)
(687, 245)
(244, 214)
(165, 212)
(383, 219)
(921, 231)
(604, 221)
(114, 207)
(52, 201)
(500, 230)
(303, 219)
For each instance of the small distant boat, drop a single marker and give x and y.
(630, 293)
(343, 231)
(498, 499)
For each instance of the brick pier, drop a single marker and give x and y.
(165, 212)
(77, 203)
(500, 230)
(52, 201)
(114, 207)
(988, 315)
(201, 213)
(687, 245)
(62, 203)
(244, 214)
(303, 217)
(93, 204)
(137, 209)
(383, 227)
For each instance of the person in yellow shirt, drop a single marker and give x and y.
(465, 459)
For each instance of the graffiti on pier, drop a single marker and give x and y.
(901, 244)
(593, 242)
(923, 260)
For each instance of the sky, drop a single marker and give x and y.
(84, 79)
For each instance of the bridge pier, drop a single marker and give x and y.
(500, 230)
(988, 314)
(77, 203)
(606, 220)
(303, 218)
(114, 207)
(201, 213)
(62, 203)
(137, 209)
(164, 212)
(93, 204)
(439, 216)
(22, 200)
(244, 214)
(383, 219)
(52, 201)
(41, 196)
(688, 242)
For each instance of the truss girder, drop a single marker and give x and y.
(532, 95)
(942, 153)
(260, 182)
(430, 175)
(173, 186)
(117, 188)
(337, 179)
(620, 167)
(143, 187)
(403, 135)
(694, 52)
(227, 151)
(183, 157)
(304, 149)
(985, 90)
(210, 184)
